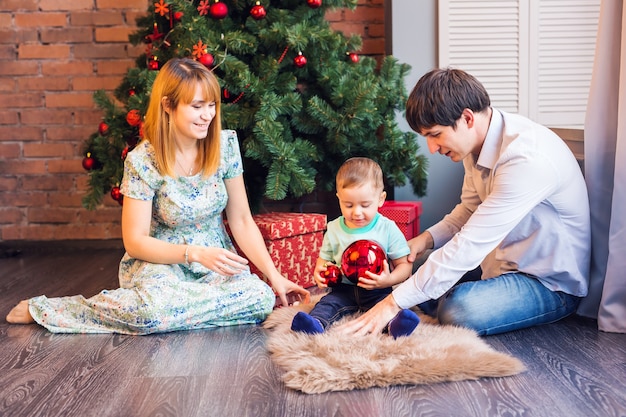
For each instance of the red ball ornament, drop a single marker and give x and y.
(133, 117)
(300, 60)
(314, 4)
(125, 152)
(207, 60)
(218, 10)
(103, 128)
(116, 194)
(332, 275)
(153, 63)
(258, 12)
(88, 162)
(178, 16)
(354, 57)
(361, 256)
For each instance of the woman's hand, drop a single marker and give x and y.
(289, 291)
(220, 260)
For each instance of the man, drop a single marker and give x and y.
(523, 218)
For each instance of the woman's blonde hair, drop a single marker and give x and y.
(177, 80)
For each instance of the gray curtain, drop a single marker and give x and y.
(605, 172)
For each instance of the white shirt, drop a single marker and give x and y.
(524, 208)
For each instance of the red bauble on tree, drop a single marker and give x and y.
(258, 11)
(103, 128)
(178, 16)
(354, 57)
(116, 194)
(362, 256)
(88, 162)
(314, 4)
(153, 63)
(125, 152)
(207, 60)
(300, 60)
(133, 117)
(218, 10)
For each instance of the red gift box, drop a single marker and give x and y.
(406, 214)
(293, 241)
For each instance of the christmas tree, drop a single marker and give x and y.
(298, 94)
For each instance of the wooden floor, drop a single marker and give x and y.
(573, 369)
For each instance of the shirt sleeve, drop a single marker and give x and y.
(141, 178)
(231, 154)
(398, 246)
(329, 245)
(519, 182)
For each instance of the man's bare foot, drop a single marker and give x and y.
(20, 314)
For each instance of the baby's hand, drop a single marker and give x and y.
(372, 281)
(318, 275)
(332, 275)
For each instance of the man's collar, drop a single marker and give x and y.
(490, 150)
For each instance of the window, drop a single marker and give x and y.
(535, 57)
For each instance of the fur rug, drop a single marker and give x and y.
(333, 362)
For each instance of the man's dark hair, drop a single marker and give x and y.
(440, 97)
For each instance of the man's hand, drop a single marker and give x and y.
(374, 320)
(420, 244)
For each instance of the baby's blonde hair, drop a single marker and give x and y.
(358, 171)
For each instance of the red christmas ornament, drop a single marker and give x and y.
(88, 162)
(207, 60)
(203, 7)
(103, 128)
(154, 36)
(362, 256)
(116, 194)
(218, 10)
(332, 275)
(300, 60)
(153, 63)
(124, 152)
(178, 16)
(258, 12)
(314, 4)
(131, 92)
(133, 117)
(354, 57)
(161, 8)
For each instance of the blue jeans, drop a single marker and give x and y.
(508, 302)
(346, 299)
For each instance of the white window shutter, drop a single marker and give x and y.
(533, 56)
(563, 35)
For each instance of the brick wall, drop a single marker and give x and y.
(53, 55)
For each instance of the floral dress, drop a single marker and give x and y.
(161, 298)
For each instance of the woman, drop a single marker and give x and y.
(180, 270)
